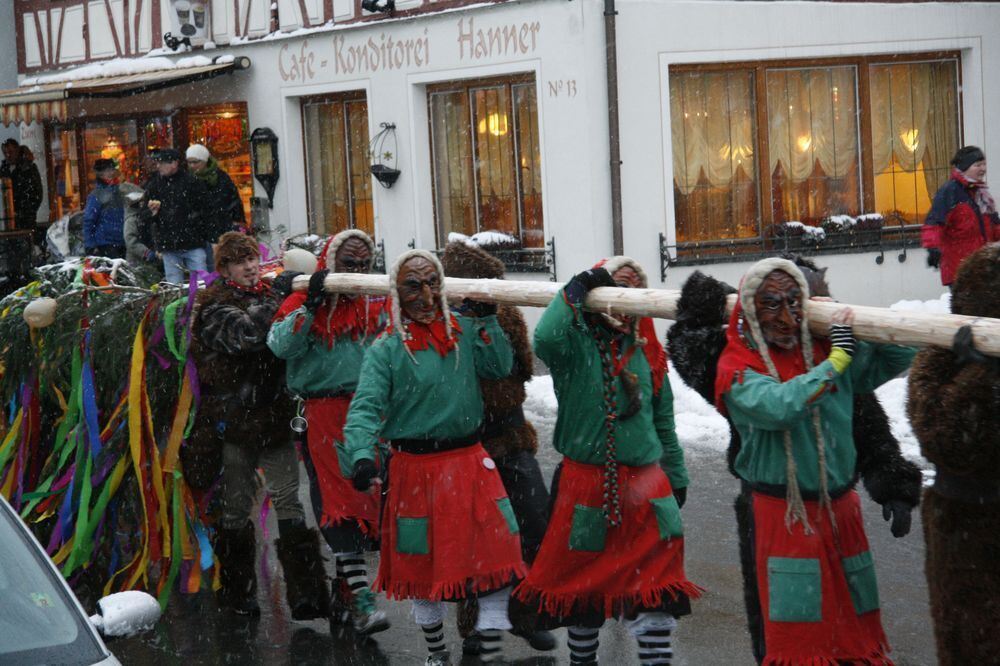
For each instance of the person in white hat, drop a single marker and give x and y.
(225, 207)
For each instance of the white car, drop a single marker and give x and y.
(41, 621)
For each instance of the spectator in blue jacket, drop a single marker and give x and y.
(104, 214)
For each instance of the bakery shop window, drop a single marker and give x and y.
(338, 181)
(486, 158)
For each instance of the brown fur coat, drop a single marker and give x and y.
(954, 409)
(502, 398)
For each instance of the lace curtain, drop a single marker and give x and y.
(812, 119)
(915, 118)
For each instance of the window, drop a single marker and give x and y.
(914, 133)
(487, 160)
(337, 175)
(759, 144)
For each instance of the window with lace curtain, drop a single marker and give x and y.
(487, 159)
(758, 144)
(337, 176)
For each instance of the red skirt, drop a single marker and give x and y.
(585, 565)
(818, 597)
(341, 501)
(448, 530)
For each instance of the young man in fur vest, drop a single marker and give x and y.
(614, 547)
(954, 406)
(323, 339)
(244, 412)
(696, 341)
(449, 531)
(509, 439)
(790, 397)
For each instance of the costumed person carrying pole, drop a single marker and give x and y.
(790, 397)
(509, 439)
(323, 338)
(449, 531)
(954, 406)
(614, 547)
(244, 412)
(695, 342)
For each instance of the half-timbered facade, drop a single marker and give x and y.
(743, 128)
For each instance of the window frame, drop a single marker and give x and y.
(343, 98)
(862, 63)
(468, 87)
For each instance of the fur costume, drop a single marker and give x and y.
(500, 396)
(695, 342)
(955, 412)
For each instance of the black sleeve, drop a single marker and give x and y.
(233, 204)
(35, 180)
(886, 474)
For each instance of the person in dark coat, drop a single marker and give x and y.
(242, 425)
(954, 407)
(225, 207)
(26, 182)
(695, 342)
(509, 439)
(963, 216)
(104, 212)
(178, 206)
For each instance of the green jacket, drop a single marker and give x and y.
(313, 368)
(565, 342)
(762, 409)
(434, 398)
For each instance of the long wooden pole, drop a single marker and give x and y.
(916, 329)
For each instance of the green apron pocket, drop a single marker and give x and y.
(860, 573)
(668, 517)
(795, 591)
(411, 536)
(508, 514)
(589, 529)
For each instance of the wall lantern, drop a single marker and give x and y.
(383, 160)
(264, 149)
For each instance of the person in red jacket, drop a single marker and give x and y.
(963, 216)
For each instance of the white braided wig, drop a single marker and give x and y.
(752, 281)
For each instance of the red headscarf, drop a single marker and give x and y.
(359, 317)
(738, 357)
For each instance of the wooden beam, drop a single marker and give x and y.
(915, 329)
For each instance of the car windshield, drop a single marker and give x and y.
(39, 623)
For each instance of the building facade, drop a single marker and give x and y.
(743, 127)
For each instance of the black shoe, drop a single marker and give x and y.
(472, 646)
(538, 639)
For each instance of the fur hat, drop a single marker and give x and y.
(104, 164)
(234, 247)
(395, 311)
(196, 151)
(335, 243)
(975, 290)
(465, 260)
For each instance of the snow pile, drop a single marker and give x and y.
(485, 239)
(122, 67)
(940, 305)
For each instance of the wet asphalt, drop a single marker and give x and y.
(193, 632)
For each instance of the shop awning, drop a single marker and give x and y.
(47, 101)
